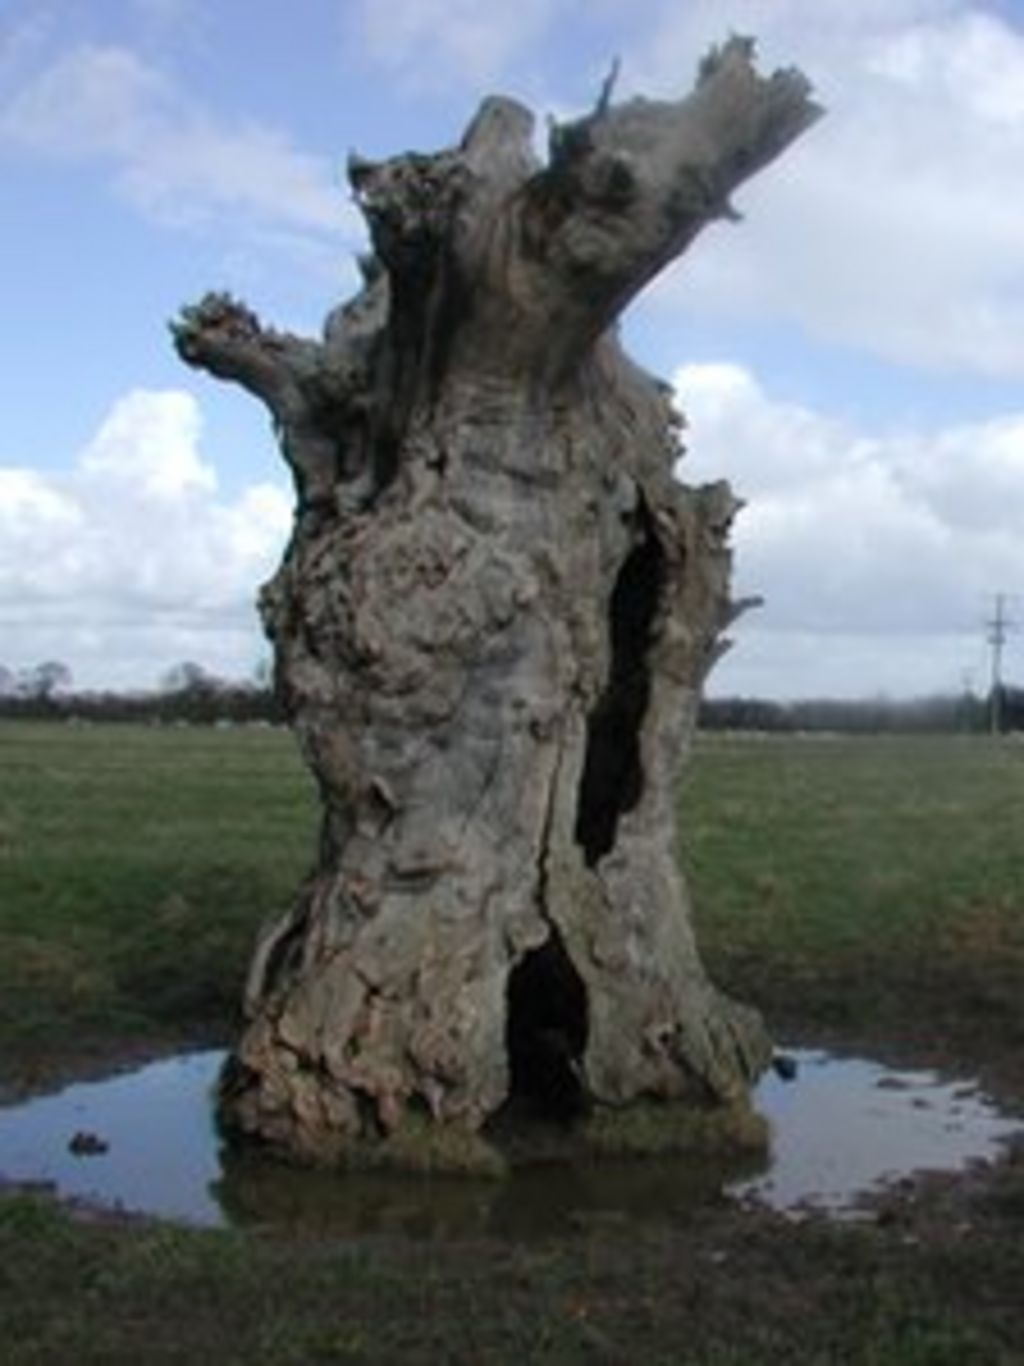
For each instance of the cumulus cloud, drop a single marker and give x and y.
(133, 560)
(170, 157)
(877, 553)
(895, 224)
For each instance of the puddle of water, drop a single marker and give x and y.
(845, 1127)
(162, 1154)
(841, 1129)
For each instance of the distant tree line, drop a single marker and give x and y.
(943, 713)
(189, 693)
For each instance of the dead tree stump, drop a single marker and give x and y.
(491, 627)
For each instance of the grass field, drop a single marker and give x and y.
(866, 892)
(872, 888)
(136, 864)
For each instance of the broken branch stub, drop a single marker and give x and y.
(491, 627)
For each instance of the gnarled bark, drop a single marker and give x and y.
(491, 627)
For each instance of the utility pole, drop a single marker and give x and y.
(997, 629)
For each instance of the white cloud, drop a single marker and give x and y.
(879, 550)
(799, 664)
(877, 553)
(431, 43)
(132, 561)
(148, 444)
(170, 157)
(893, 225)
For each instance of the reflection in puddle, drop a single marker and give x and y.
(846, 1126)
(145, 1141)
(162, 1153)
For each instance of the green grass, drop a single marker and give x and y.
(856, 889)
(728, 1288)
(136, 864)
(870, 885)
(857, 885)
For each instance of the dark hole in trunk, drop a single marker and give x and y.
(613, 778)
(546, 1033)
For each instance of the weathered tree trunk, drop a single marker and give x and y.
(491, 628)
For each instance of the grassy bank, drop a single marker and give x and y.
(859, 890)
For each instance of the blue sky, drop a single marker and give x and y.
(851, 356)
